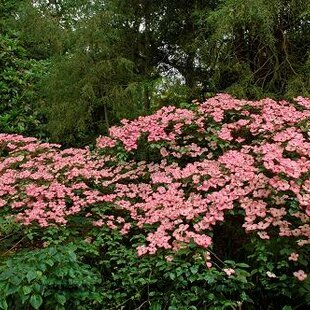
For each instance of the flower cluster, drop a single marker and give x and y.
(220, 156)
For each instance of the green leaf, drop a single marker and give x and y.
(50, 262)
(36, 301)
(60, 299)
(31, 275)
(37, 287)
(3, 305)
(155, 307)
(194, 269)
(27, 290)
(243, 265)
(15, 280)
(11, 290)
(5, 275)
(72, 256)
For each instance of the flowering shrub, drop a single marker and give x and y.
(174, 178)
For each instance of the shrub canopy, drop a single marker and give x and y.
(194, 165)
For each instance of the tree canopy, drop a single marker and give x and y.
(113, 59)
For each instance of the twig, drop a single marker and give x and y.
(116, 307)
(216, 256)
(14, 246)
(6, 236)
(141, 305)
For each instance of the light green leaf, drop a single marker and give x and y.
(31, 275)
(36, 301)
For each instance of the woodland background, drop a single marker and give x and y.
(71, 69)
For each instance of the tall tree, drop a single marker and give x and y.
(93, 83)
(117, 62)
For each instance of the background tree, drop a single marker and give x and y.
(113, 59)
(259, 48)
(19, 78)
(125, 58)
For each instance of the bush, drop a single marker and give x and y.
(51, 276)
(203, 207)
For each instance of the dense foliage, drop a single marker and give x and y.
(18, 112)
(19, 78)
(200, 207)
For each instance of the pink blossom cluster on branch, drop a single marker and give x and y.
(219, 156)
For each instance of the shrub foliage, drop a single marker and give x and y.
(201, 207)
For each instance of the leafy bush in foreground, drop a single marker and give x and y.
(203, 207)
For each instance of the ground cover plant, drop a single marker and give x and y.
(200, 207)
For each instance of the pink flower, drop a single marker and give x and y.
(2, 203)
(294, 257)
(229, 271)
(103, 142)
(164, 152)
(263, 235)
(169, 258)
(300, 275)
